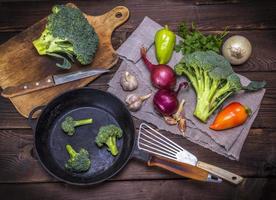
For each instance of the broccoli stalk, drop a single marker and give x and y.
(49, 45)
(68, 33)
(111, 142)
(108, 135)
(69, 124)
(78, 161)
(213, 80)
(72, 153)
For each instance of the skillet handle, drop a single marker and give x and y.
(31, 120)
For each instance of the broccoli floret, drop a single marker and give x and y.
(69, 124)
(68, 33)
(78, 162)
(108, 135)
(213, 80)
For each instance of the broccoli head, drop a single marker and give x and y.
(69, 124)
(68, 33)
(213, 80)
(108, 135)
(78, 161)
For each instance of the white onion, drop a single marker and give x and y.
(237, 49)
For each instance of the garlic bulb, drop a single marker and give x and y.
(178, 118)
(134, 101)
(128, 81)
(237, 49)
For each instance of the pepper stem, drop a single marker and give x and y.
(166, 27)
(247, 110)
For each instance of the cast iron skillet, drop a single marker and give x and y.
(50, 140)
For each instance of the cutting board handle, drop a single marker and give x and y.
(117, 16)
(40, 66)
(110, 20)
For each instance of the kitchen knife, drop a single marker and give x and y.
(50, 81)
(179, 168)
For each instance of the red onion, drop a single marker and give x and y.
(162, 76)
(165, 100)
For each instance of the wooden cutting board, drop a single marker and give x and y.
(20, 62)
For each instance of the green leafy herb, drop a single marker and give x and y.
(194, 40)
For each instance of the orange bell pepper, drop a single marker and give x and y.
(231, 116)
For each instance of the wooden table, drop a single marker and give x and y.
(21, 176)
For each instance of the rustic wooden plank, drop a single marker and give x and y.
(158, 189)
(4, 36)
(259, 15)
(269, 189)
(263, 57)
(251, 189)
(33, 68)
(9, 118)
(257, 158)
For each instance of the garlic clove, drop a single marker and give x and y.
(134, 102)
(177, 115)
(128, 81)
(135, 106)
(170, 120)
(182, 125)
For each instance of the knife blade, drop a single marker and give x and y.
(179, 168)
(50, 81)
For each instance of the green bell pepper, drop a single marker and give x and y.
(164, 45)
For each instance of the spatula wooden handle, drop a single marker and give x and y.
(28, 87)
(224, 174)
(179, 168)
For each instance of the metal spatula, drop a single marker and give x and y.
(154, 142)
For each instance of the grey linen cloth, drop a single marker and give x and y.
(228, 143)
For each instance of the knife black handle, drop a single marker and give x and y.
(25, 88)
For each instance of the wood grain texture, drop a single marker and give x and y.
(19, 51)
(263, 57)
(21, 176)
(179, 168)
(16, 152)
(9, 117)
(136, 190)
(29, 87)
(241, 15)
(222, 173)
(120, 190)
